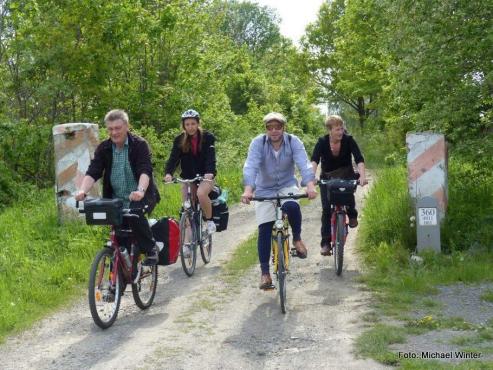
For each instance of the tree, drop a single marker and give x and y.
(345, 54)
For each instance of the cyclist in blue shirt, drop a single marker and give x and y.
(268, 171)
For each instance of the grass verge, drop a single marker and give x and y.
(401, 286)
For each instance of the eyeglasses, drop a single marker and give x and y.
(277, 127)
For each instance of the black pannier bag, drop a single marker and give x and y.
(215, 193)
(340, 192)
(220, 215)
(220, 212)
(104, 211)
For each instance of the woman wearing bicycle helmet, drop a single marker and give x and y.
(194, 151)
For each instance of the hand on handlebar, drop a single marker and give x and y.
(136, 196)
(81, 195)
(362, 181)
(311, 191)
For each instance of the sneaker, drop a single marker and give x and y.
(265, 282)
(151, 257)
(186, 250)
(211, 227)
(353, 222)
(325, 250)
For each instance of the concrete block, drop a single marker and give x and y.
(75, 144)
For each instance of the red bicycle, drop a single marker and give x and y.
(116, 265)
(339, 192)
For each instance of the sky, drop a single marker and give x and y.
(295, 15)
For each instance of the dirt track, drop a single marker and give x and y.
(200, 323)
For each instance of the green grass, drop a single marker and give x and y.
(244, 257)
(487, 296)
(375, 341)
(42, 265)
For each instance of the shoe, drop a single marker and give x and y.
(326, 250)
(301, 251)
(186, 250)
(211, 227)
(353, 222)
(265, 282)
(152, 257)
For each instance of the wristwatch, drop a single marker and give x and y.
(140, 188)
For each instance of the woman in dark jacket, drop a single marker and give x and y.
(336, 151)
(194, 151)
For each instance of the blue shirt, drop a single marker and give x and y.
(267, 174)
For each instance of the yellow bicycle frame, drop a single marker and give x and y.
(275, 250)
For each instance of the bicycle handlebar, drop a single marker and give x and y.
(177, 180)
(281, 197)
(339, 181)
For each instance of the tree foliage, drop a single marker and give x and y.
(412, 65)
(72, 61)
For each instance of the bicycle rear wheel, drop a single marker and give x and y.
(281, 272)
(339, 245)
(144, 290)
(104, 297)
(188, 246)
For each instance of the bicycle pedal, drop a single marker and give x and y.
(269, 288)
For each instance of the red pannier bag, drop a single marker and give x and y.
(167, 231)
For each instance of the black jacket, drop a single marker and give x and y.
(343, 160)
(192, 165)
(139, 157)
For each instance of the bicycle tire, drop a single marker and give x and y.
(144, 290)
(206, 248)
(188, 260)
(104, 300)
(281, 272)
(339, 245)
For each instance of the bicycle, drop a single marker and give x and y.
(191, 221)
(339, 191)
(280, 237)
(114, 267)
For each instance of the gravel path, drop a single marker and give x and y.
(203, 323)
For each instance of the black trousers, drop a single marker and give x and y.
(326, 214)
(140, 227)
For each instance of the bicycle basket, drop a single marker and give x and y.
(340, 192)
(103, 211)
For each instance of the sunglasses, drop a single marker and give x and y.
(277, 127)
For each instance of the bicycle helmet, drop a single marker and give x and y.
(190, 113)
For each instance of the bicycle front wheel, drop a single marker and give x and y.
(339, 245)
(144, 289)
(188, 249)
(281, 272)
(104, 296)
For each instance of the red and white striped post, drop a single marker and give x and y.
(427, 182)
(427, 167)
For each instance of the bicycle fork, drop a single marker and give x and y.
(333, 225)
